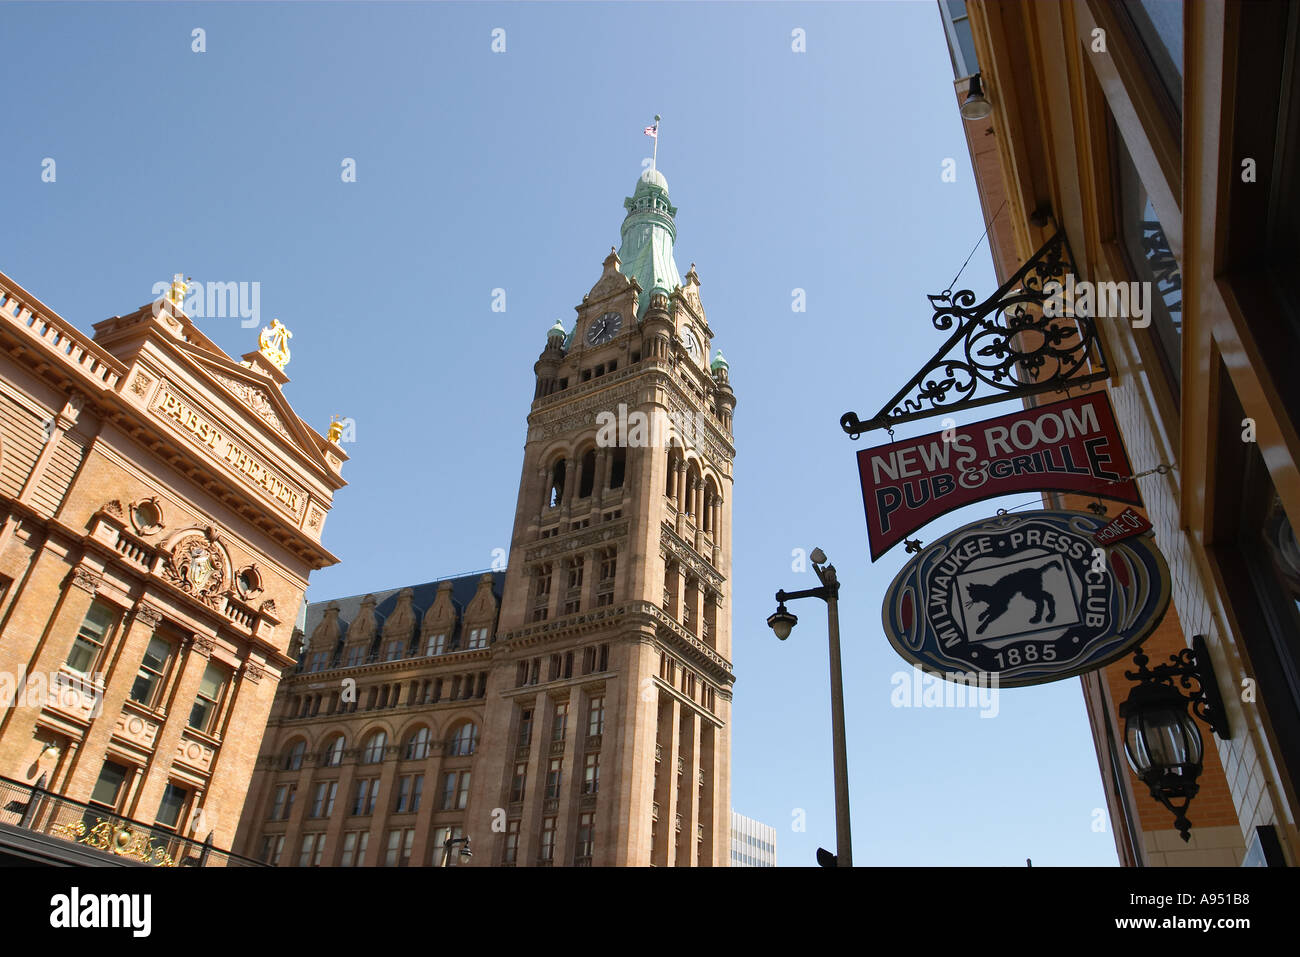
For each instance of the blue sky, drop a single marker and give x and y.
(479, 171)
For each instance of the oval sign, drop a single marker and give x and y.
(1026, 599)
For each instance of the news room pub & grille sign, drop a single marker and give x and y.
(1068, 446)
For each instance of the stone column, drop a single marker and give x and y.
(570, 786)
(690, 756)
(681, 495)
(666, 792)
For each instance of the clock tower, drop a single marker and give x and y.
(606, 735)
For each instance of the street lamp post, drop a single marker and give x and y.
(465, 853)
(781, 622)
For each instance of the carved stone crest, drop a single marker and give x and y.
(197, 566)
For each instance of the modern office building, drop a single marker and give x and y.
(753, 844)
(575, 709)
(1137, 130)
(161, 509)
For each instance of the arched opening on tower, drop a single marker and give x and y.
(587, 476)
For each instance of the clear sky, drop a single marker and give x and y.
(479, 170)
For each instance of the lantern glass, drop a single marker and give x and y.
(1162, 735)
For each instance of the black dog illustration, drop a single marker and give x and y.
(1027, 582)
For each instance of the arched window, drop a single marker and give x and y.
(617, 468)
(334, 752)
(463, 740)
(293, 757)
(417, 745)
(587, 479)
(374, 749)
(556, 494)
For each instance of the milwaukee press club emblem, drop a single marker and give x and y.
(1030, 598)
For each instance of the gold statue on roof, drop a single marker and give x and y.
(336, 429)
(274, 344)
(176, 295)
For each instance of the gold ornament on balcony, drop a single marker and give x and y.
(274, 344)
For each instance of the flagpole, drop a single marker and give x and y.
(654, 159)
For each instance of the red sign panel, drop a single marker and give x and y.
(1069, 446)
(1124, 525)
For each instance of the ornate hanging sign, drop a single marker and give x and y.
(1025, 599)
(1070, 446)
(1015, 343)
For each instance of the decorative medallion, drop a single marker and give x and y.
(140, 384)
(248, 582)
(1025, 599)
(197, 567)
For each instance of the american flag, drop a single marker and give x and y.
(652, 131)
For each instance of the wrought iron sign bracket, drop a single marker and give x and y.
(1195, 676)
(1023, 340)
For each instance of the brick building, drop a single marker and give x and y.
(574, 710)
(161, 509)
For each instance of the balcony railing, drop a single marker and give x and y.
(42, 812)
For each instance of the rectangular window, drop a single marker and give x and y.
(511, 852)
(282, 806)
(272, 846)
(169, 811)
(400, 842)
(560, 723)
(409, 790)
(354, 848)
(355, 656)
(518, 782)
(1153, 262)
(108, 789)
(436, 645)
(596, 715)
(547, 852)
(313, 848)
(586, 836)
(153, 672)
(525, 727)
(478, 638)
(318, 661)
(93, 634)
(396, 650)
(363, 797)
(203, 716)
(591, 773)
(553, 778)
(322, 802)
(455, 790)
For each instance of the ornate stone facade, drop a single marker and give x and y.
(117, 578)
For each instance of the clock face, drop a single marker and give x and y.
(691, 343)
(604, 328)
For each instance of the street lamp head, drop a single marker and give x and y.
(466, 853)
(976, 106)
(781, 621)
(818, 556)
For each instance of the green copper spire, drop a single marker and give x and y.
(719, 362)
(556, 330)
(648, 235)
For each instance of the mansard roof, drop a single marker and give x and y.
(463, 589)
